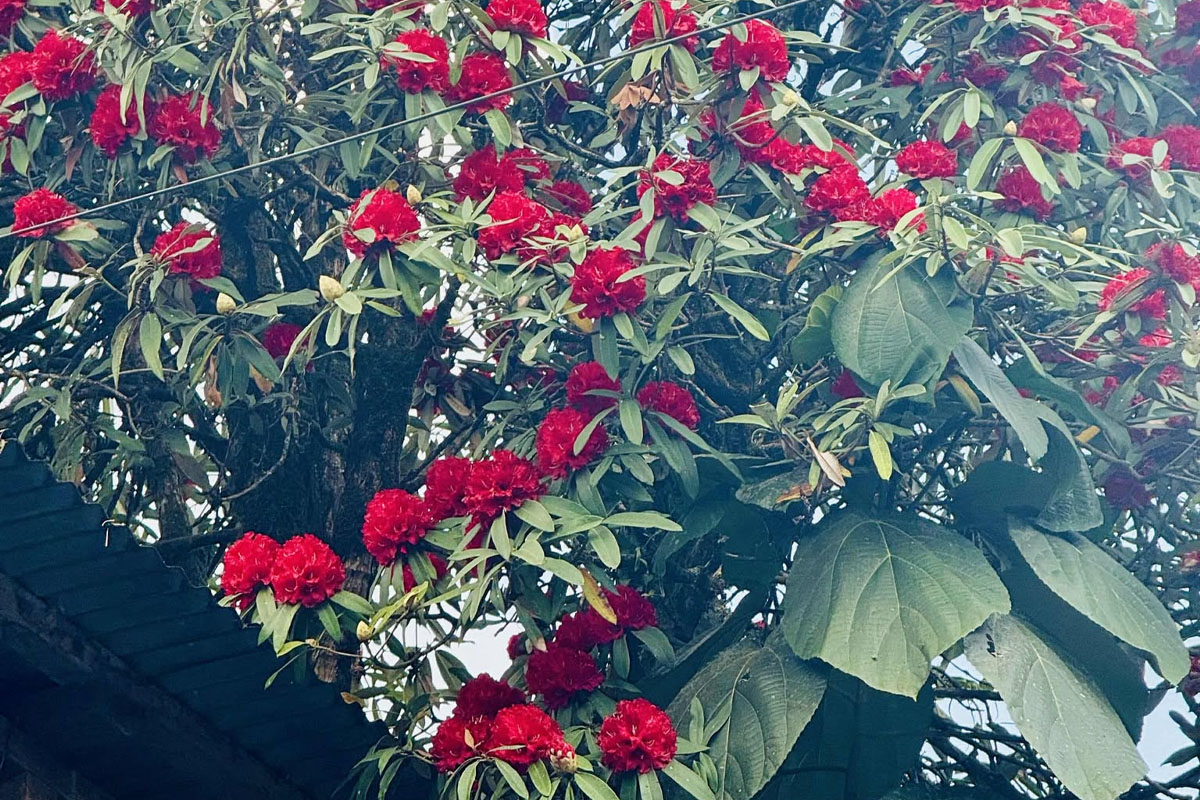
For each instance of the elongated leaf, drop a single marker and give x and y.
(1063, 714)
(1019, 412)
(880, 598)
(771, 696)
(901, 329)
(1097, 586)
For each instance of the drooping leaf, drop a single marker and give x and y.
(1063, 714)
(813, 342)
(1019, 412)
(1099, 587)
(879, 598)
(771, 696)
(898, 327)
(859, 744)
(1028, 375)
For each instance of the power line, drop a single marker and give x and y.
(279, 159)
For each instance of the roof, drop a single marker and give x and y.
(140, 681)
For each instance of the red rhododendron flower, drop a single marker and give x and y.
(413, 75)
(445, 485)
(982, 73)
(1183, 144)
(499, 483)
(840, 155)
(637, 737)
(1124, 490)
(106, 127)
(130, 8)
(246, 567)
(585, 629)
(189, 249)
(890, 207)
(764, 47)
(16, 70)
(570, 196)
(62, 66)
(11, 12)
(556, 442)
(484, 696)
(278, 337)
(672, 400)
(1170, 375)
(664, 19)
(1111, 17)
(188, 127)
(531, 166)
(38, 207)
(674, 199)
(518, 16)
(1022, 192)
(523, 734)
(633, 611)
(1187, 18)
(1153, 305)
(306, 571)
(482, 74)
(516, 646)
(905, 76)
(1053, 127)
(559, 673)
(483, 172)
(380, 220)
(837, 188)
(845, 386)
(583, 379)
(514, 219)
(595, 284)
(458, 740)
(1141, 148)
(927, 160)
(394, 522)
(1174, 262)
(1156, 338)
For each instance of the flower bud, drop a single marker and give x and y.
(791, 98)
(413, 195)
(362, 631)
(225, 304)
(1087, 104)
(1079, 235)
(563, 759)
(1010, 128)
(330, 288)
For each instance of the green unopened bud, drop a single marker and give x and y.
(225, 304)
(413, 195)
(791, 98)
(1079, 235)
(362, 631)
(1010, 128)
(330, 288)
(563, 759)
(1087, 104)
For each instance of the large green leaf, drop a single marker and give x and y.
(1060, 711)
(900, 327)
(770, 695)
(1098, 586)
(812, 343)
(858, 746)
(1028, 374)
(879, 598)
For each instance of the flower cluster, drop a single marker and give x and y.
(519, 16)
(925, 159)
(484, 172)
(663, 19)
(1135, 157)
(515, 218)
(558, 674)
(688, 185)
(62, 66)
(11, 12)
(584, 381)
(421, 61)
(41, 206)
(395, 521)
(111, 126)
(277, 339)
(302, 571)
(189, 249)
(671, 400)
(1174, 261)
(379, 220)
(187, 126)
(500, 483)
(637, 737)
(481, 74)
(1052, 126)
(1115, 293)
(762, 47)
(556, 436)
(1021, 192)
(597, 284)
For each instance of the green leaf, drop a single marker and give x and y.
(329, 620)
(981, 162)
(689, 781)
(813, 342)
(352, 602)
(657, 643)
(1028, 374)
(512, 778)
(1096, 585)
(1036, 165)
(150, 341)
(901, 330)
(643, 519)
(631, 420)
(605, 545)
(771, 696)
(1020, 412)
(881, 455)
(858, 745)
(744, 317)
(1062, 713)
(540, 778)
(1073, 504)
(535, 514)
(594, 787)
(879, 598)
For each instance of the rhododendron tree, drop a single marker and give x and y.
(793, 399)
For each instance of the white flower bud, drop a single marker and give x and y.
(1079, 235)
(225, 304)
(413, 195)
(1010, 128)
(330, 288)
